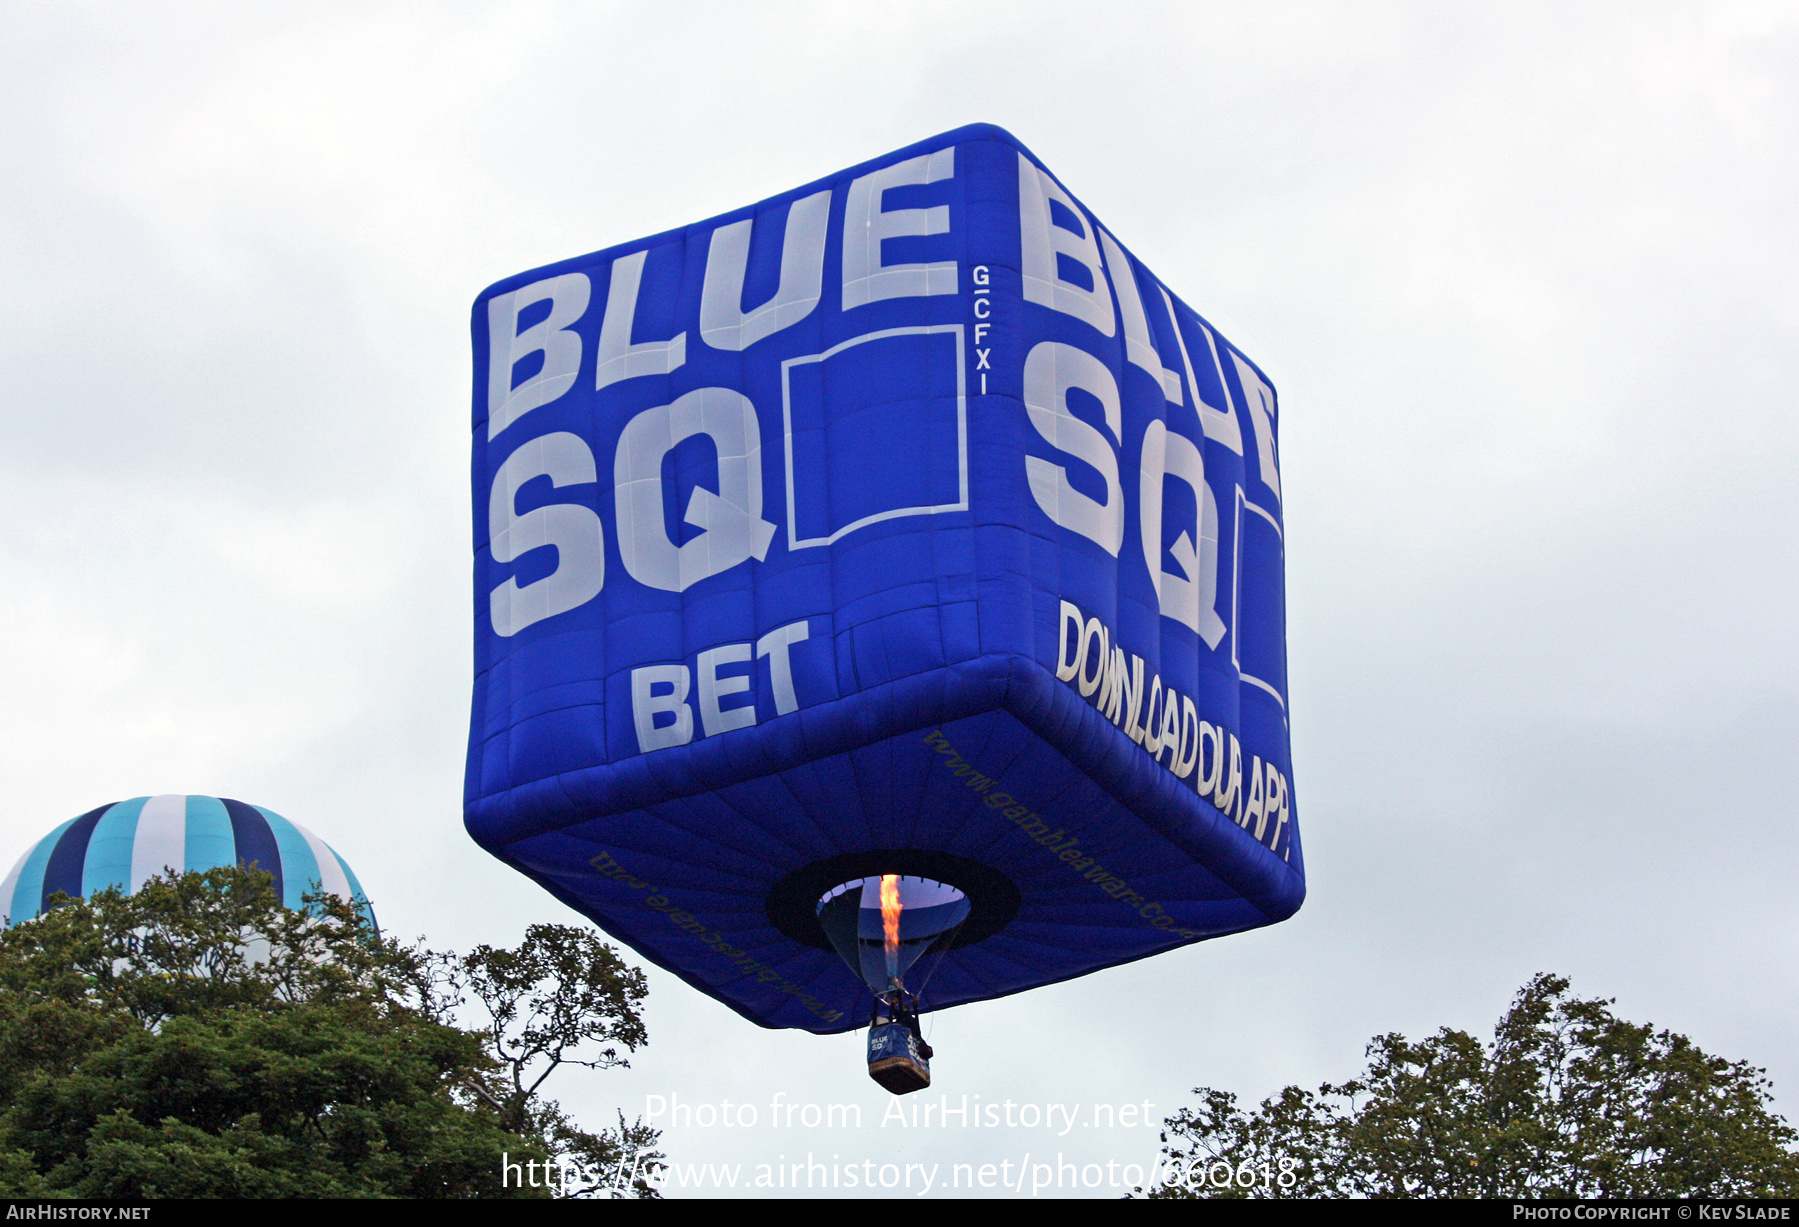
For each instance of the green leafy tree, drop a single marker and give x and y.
(563, 997)
(196, 1039)
(1567, 1101)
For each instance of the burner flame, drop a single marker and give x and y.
(890, 918)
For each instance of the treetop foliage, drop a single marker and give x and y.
(197, 1039)
(1567, 1101)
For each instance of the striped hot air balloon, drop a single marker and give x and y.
(127, 843)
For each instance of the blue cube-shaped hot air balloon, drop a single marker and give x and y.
(901, 524)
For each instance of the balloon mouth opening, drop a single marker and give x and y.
(883, 925)
(795, 904)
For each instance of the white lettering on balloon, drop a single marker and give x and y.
(1166, 724)
(1069, 265)
(664, 717)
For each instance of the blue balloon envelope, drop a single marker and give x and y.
(900, 524)
(122, 845)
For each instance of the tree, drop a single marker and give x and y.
(1567, 1101)
(550, 1003)
(196, 1039)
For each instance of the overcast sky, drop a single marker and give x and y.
(1525, 277)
